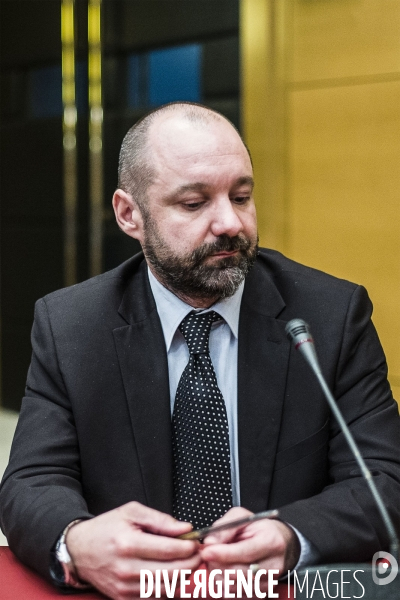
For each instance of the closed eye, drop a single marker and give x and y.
(192, 206)
(241, 199)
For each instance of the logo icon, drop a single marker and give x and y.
(386, 570)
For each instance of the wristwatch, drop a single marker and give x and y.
(70, 577)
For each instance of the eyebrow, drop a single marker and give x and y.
(191, 187)
(199, 186)
(245, 181)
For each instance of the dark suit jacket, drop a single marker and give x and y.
(94, 430)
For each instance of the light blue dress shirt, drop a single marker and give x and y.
(223, 351)
(224, 355)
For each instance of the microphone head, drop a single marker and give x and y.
(298, 331)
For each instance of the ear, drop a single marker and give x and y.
(128, 215)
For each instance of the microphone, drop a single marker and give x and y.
(299, 333)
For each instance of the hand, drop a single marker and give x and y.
(268, 543)
(109, 550)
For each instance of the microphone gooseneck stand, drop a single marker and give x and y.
(299, 332)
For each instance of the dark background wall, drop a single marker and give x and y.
(153, 51)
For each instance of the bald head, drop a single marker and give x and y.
(135, 170)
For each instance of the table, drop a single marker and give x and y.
(18, 582)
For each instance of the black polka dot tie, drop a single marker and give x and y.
(200, 433)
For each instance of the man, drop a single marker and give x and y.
(113, 362)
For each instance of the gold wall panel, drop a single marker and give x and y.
(344, 212)
(264, 55)
(255, 47)
(321, 115)
(345, 38)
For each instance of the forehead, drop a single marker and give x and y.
(176, 143)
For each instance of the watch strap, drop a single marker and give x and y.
(70, 576)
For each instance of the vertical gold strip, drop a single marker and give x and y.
(264, 53)
(69, 141)
(95, 136)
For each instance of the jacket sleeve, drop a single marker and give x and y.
(342, 521)
(41, 488)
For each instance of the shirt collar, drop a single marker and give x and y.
(172, 310)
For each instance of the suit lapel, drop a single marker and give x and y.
(143, 361)
(262, 367)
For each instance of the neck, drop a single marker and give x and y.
(194, 301)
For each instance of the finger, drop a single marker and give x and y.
(244, 571)
(241, 572)
(246, 551)
(154, 520)
(274, 562)
(228, 535)
(232, 567)
(155, 547)
(190, 564)
(130, 569)
(133, 592)
(256, 541)
(125, 590)
(132, 589)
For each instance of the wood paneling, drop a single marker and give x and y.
(345, 38)
(264, 61)
(344, 211)
(335, 149)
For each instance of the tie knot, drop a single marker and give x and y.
(196, 328)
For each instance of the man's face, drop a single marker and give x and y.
(199, 230)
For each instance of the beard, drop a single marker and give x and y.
(189, 275)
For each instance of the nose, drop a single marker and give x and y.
(225, 219)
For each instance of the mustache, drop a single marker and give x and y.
(223, 243)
